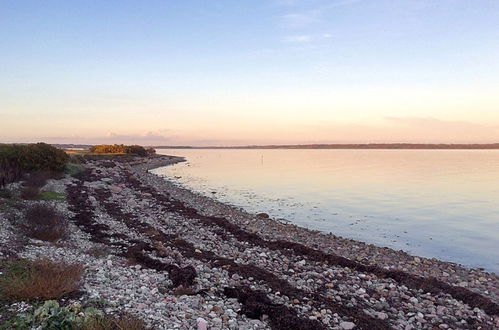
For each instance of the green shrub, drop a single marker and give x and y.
(42, 156)
(51, 316)
(16, 160)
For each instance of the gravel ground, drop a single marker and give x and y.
(179, 260)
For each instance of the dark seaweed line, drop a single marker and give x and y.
(79, 204)
(364, 321)
(281, 317)
(431, 284)
(277, 284)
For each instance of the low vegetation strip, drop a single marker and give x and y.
(39, 280)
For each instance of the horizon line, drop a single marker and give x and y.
(401, 145)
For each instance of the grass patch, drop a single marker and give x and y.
(39, 280)
(45, 223)
(51, 196)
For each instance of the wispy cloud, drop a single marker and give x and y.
(146, 138)
(304, 20)
(297, 38)
(311, 15)
(300, 20)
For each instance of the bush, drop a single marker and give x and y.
(37, 179)
(40, 178)
(15, 160)
(39, 280)
(44, 222)
(30, 193)
(52, 316)
(10, 170)
(42, 156)
(122, 149)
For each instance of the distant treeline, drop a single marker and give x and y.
(351, 146)
(122, 149)
(16, 160)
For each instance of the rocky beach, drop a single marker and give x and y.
(179, 260)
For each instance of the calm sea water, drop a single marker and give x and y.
(432, 203)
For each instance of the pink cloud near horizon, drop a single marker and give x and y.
(387, 130)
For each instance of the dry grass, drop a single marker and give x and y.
(45, 223)
(115, 323)
(39, 280)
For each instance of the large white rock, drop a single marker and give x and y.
(347, 325)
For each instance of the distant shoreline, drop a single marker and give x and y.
(402, 146)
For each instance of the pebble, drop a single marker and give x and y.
(202, 324)
(347, 325)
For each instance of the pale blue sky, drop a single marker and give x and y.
(237, 72)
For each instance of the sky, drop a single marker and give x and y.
(249, 72)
